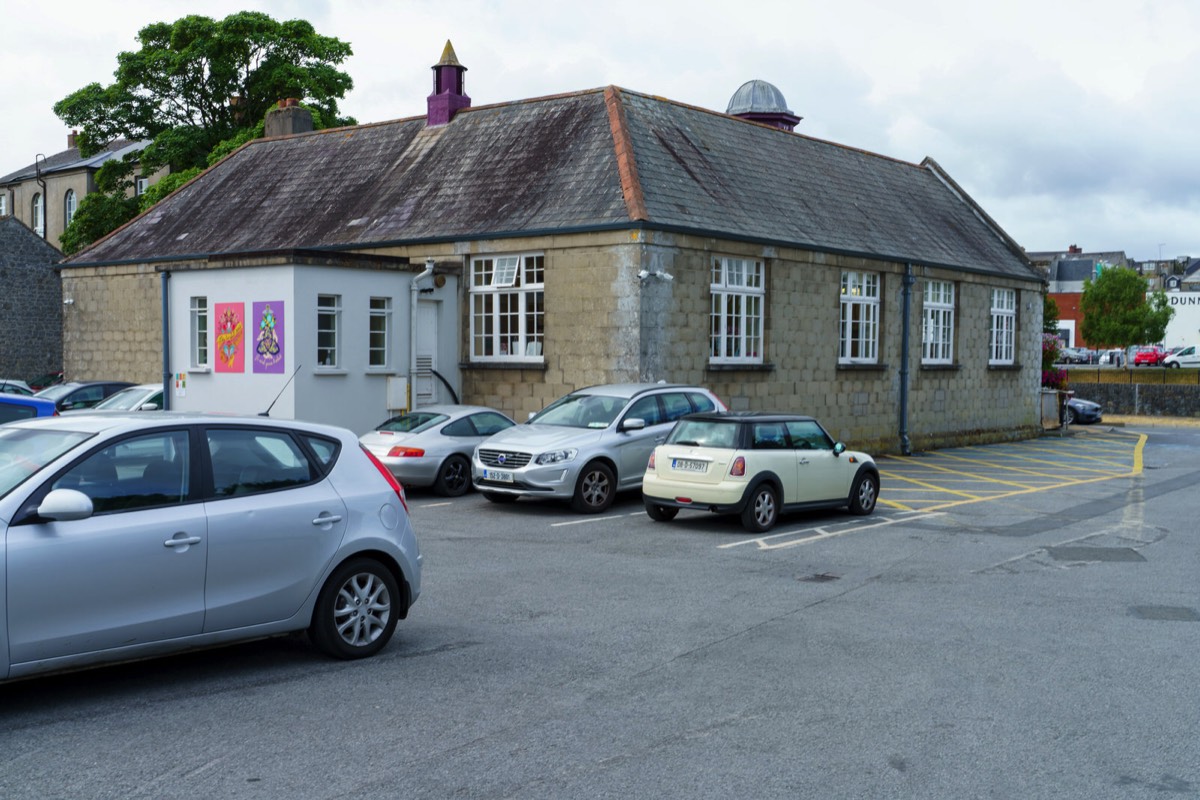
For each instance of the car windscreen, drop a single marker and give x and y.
(58, 392)
(24, 451)
(704, 433)
(581, 411)
(125, 400)
(413, 423)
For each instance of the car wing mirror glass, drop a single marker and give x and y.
(839, 448)
(63, 505)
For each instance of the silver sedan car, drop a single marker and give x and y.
(432, 446)
(134, 535)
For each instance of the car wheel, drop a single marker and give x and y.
(357, 611)
(454, 478)
(659, 513)
(1174, 364)
(1069, 415)
(864, 494)
(762, 511)
(496, 497)
(595, 490)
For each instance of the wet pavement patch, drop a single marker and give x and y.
(1166, 613)
(1077, 553)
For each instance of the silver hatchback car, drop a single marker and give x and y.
(134, 535)
(586, 446)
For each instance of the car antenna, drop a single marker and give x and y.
(267, 413)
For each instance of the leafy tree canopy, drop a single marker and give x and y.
(197, 81)
(1117, 312)
(197, 89)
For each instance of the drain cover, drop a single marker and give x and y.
(1167, 613)
(1069, 553)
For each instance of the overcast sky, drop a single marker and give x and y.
(1069, 121)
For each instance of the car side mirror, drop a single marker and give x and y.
(64, 505)
(839, 448)
(148, 407)
(633, 424)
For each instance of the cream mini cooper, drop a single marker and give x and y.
(756, 465)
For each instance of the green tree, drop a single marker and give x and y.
(197, 83)
(1117, 312)
(1049, 314)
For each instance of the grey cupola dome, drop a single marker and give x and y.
(760, 101)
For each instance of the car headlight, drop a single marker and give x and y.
(556, 456)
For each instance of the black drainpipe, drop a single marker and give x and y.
(906, 294)
(166, 339)
(37, 165)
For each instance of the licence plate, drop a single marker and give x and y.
(688, 465)
(501, 475)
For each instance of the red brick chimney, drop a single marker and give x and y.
(1074, 249)
(71, 139)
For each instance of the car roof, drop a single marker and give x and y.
(749, 416)
(133, 421)
(26, 400)
(633, 389)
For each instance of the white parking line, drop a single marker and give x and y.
(819, 533)
(433, 505)
(586, 520)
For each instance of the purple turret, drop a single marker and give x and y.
(448, 96)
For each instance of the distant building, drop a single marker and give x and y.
(45, 194)
(1066, 271)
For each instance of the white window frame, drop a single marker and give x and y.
(39, 215)
(379, 333)
(858, 325)
(738, 290)
(329, 325)
(3, 204)
(198, 316)
(140, 186)
(937, 329)
(1003, 335)
(69, 206)
(508, 312)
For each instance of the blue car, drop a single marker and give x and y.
(18, 406)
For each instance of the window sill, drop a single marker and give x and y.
(941, 367)
(329, 371)
(746, 367)
(862, 367)
(386, 372)
(537, 365)
(1004, 367)
(199, 370)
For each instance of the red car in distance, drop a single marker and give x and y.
(1149, 356)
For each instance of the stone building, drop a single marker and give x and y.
(30, 303)
(597, 236)
(45, 194)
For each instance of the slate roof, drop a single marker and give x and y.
(21, 248)
(592, 160)
(69, 160)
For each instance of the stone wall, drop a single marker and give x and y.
(112, 326)
(1153, 400)
(30, 304)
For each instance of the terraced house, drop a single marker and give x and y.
(508, 253)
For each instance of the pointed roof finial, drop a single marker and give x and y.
(449, 59)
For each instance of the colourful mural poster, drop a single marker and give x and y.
(231, 335)
(268, 337)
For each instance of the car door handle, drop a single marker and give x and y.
(803, 462)
(182, 541)
(327, 519)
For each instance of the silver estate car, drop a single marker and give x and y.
(134, 535)
(432, 445)
(586, 446)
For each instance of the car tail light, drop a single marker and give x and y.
(738, 468)
(650, 465)
(391, 479)
(405, 452)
